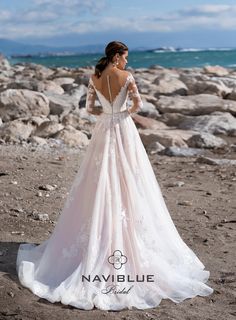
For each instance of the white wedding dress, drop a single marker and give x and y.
(115, 245)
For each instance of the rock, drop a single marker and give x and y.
(21, 103)
(48, 187)
(216, 70)
(37, 120)
(53, 117)
(206, 140)
(4, 63)
(66, 83)
(72, 119)
(148, 123)
(167, 138)
(63, 80)
(16, 131)
(38, 71)
(216, 123)
(212, 161)
(181, 152)
(37, 140)
(195, 105)
(48, 129)
(72, 137)
(232, 95)
(154, 147)
(42, 217)
(218, 89)
(198, 84)
(169, 85)
(29, 84)
(50, 86)
(185, 203)
(63, 104)
(149, 110)
(174, 184)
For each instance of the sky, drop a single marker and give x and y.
(138, 23)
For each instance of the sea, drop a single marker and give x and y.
(165, 57)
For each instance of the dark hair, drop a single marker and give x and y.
(111, 49)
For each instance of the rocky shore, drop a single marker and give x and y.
(186, 111)
(188, 128)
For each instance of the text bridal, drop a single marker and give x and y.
(119, 278)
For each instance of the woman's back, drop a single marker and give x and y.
(117, 80)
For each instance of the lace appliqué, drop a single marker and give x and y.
(138, 181)
(72, 191)
(90, 98)
(123, 216)
(80, 244)
(144, 233)
(134, 95)
(106, 121)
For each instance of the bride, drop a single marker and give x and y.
(115, 245)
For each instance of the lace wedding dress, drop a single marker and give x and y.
(115, 245)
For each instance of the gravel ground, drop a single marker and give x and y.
(205, 220)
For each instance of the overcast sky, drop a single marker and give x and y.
(152, 23)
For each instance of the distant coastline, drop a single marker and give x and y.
(168, 57)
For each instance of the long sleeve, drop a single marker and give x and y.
(90, 98)
(134, 94)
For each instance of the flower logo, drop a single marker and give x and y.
(117, 259)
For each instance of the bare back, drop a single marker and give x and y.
(117, 80)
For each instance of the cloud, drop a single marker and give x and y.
(71, 6)
(47, 18)
(5, 15)
(208, 9)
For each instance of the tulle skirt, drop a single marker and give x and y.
(115, 245)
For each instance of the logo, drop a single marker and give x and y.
(117, 259)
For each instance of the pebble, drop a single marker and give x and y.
(42, 216)
(185, 203)
(48, 187)
(175, 184)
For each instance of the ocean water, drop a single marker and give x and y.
(186, 58)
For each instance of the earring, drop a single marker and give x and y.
(115, 63)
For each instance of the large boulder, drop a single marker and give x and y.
(204, 84)
(16, 130)
(37, 71)
(63, 104)
(49, 86)
(147, 123)
(206, 140)
(195, 104)
(72, 137)
(216, 70)
(216, 123)
(167, 138)
(48, 129)
(22, 103)
(169, 85)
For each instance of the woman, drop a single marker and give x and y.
(115, 245)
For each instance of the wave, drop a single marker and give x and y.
(172, 49)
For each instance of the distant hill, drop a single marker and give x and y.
(14, 48)
(10, 47)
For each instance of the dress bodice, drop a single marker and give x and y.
(118, 104)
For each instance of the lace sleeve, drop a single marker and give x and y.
(90, 98)
(134, 94)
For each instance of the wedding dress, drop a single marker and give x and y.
(115, 245)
